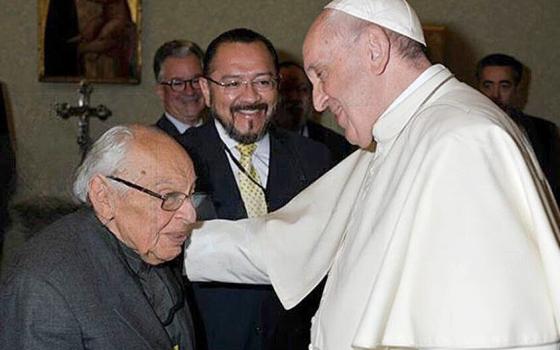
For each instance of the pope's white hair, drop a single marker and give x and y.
(105, 157)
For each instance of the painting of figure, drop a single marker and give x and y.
(96, 40)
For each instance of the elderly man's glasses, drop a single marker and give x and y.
(262, 84)
(179, 85)
(169, 202)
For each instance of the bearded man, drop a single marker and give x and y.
(248, 168)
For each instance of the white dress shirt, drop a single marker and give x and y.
(260, 158)
(179, 125)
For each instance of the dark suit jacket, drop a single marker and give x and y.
(164, 124)
(237, 316)
(545, 139)
(70, 290)
(337, 144)
(7, 166)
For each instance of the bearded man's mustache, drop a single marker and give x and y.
(250, 107)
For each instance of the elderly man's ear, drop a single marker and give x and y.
(101, 196)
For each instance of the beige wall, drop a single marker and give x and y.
(528, 30)
(47, 151)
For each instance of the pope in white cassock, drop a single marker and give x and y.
(444, 237)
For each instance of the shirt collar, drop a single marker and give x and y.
(425, 76)
(393, 120)
(179, 125)
(136, 264)
(231, 143)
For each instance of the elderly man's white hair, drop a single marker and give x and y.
(105, 157)
(396, 15)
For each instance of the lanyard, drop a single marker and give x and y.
(242, 169)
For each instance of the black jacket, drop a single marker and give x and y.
(238, 316)
(70, 290)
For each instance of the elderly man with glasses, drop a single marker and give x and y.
(248, 168)
(177, 69)
(102, 277)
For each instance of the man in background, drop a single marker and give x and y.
(101, 278)
(177, 69)
(296, 111)
(499, 78)
(248, 168)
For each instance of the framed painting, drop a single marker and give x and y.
(93, 40)
(435, 41)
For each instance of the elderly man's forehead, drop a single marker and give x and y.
(154, 145)
(161, 162)
(318, 48)
(327, 28)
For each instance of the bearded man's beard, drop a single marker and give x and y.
(229, 126)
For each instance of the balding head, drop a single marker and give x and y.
(151, 147)
(111, 152)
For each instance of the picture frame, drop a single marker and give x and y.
(435, 36)
(93, 40)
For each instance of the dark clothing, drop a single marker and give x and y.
(239, 316)
(61, 53)
(545, 139)
(164, 124)
(164, 294)
(72, 288)
(7, 166)
(7, 182)
(337, 144)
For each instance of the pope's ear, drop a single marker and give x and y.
(101, 196)
(378, 46)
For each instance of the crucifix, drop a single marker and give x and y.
(84, 112)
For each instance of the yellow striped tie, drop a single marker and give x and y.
(251, 193)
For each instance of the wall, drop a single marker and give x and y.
(46, 145)
(527, 30)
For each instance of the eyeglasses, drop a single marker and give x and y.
(169, 202)
(179, 85)
(264, 84)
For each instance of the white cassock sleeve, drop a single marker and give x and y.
(223, 250)
(238, 251)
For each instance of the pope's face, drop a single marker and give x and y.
(497, 83)
(188, 104)
(337, 75)
(139, 221)
(245, 111)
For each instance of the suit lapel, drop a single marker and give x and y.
(285, 173)
(164, 124)
(120, 290)
(314, 132)
(225, 192)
